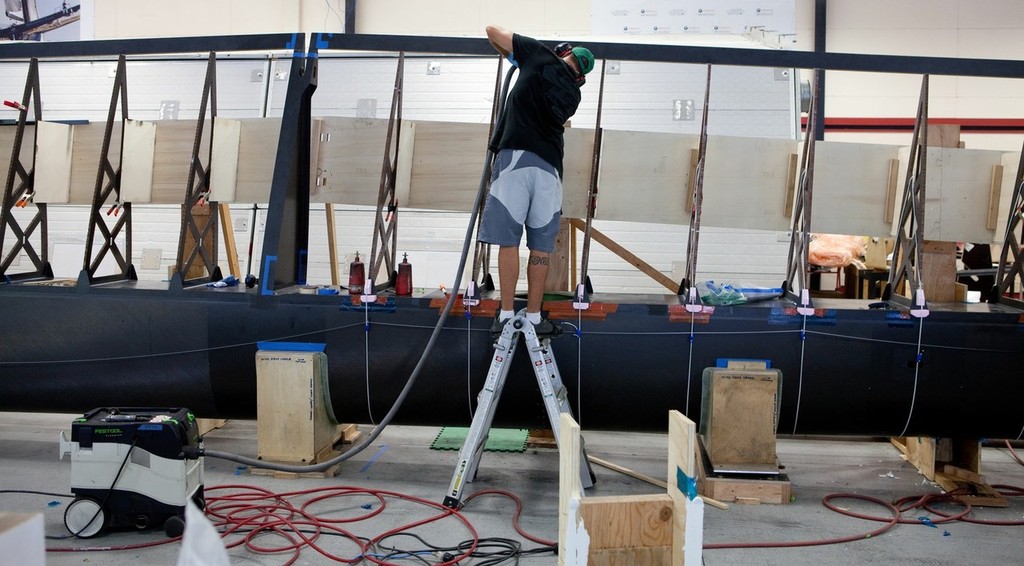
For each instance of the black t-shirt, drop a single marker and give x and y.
(544, 97)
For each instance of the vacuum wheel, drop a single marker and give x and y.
(84, 518)
(174, 526)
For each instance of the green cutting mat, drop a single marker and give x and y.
(499, 439)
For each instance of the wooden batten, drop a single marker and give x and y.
(54, 144)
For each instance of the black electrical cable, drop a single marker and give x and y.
(377, 430)
(106, 497)
(32, 492)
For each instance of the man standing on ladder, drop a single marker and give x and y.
(526, 180)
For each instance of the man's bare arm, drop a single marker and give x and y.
(501, 39)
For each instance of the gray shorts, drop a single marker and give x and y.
(525, 190)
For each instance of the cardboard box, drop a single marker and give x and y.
(21, 539)
(877, 250)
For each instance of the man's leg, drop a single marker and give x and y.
(536, 278)
(508, 275)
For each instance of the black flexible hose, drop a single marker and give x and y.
(485, 175)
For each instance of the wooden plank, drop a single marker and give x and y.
(54, 146)
(919, 451)
(85, 159)
(938, 273)
(228, 231)
(257, 156)
(569, 486)
(139, 157)
(227, 135)
(626, 471)
(446, 165)
(644, 177)
(632, 521)
(891, 190)
(558, 261)
(1009, 163)
(629, 256)
(173, 157)
(746, 181)
(292, 423)
(995, 185)
(682, 444)
(577, 163)
(851, 182)
(332, 244)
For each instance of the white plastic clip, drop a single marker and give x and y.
(693, 303)
(472, 296)
(805, 307)
(368, 296)
(65, 445)
(581, 301)
(919, 308)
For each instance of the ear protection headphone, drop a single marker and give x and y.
(563, 49)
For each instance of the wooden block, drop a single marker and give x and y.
(739, 417)
(938, 262)
(970, 492)
(635, 521)
(776, 491)
(957, 472)
(350, 433)
(292, 420)
(920, 452)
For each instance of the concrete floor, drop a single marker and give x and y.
(400, 460)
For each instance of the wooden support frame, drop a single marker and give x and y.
(107, 201)
(595, 174)
(797, 283)
(641, 530)
(17, 192)
(906, 268)
(383, 250)
(695, 201)
(195, 241)
(627, 255)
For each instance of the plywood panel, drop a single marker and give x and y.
(139, 154)
(1010, 162)
(746, 181)
(849, 190)
(448, 158)
(576, 167)
(351, 154)
(85, 158)
(257, 155)
(957, 193)
(224, 161)
(172, 159)
(644, 177)
(52, 182)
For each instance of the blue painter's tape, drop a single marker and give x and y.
(292, 43)
(370, 462)
(686, 484)
(264, 290)
(322, 43)
(290, 346)
(724, 362)
(388, 307)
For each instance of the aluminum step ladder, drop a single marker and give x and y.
(552, 391)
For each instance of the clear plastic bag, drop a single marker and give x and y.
(715, 294)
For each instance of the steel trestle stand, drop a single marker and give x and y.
(553, 392)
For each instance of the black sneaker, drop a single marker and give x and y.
(497, 326)
(545, 329)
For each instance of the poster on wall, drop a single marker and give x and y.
(40, 20)
(668, 17)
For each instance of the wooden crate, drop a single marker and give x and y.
(292, 422)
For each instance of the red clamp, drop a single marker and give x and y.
(16, 105)
(204, 199)
(115, 208)
(392, 209)
(24, 200)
